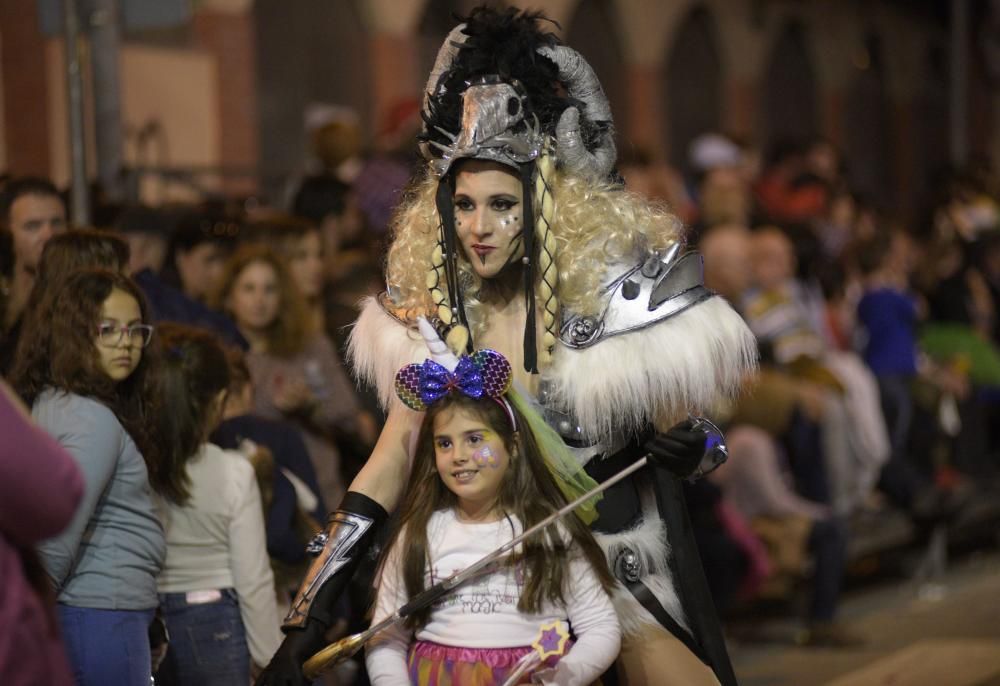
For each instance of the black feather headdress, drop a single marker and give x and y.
(503, 44)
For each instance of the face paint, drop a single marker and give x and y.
(486, 200)
(514, 249)
(484, 457)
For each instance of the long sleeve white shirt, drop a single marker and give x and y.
(483, 613)
(217, 541)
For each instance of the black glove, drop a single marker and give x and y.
(285, 668)
(680, 449)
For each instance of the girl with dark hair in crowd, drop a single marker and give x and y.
(216, 588)
(87, 372)
(63, 255)
(296, 372)
(331, 277)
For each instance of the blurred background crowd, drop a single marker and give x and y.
(867, 266)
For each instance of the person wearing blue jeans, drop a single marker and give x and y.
(216, 588)
(208, 643)
(107, 646)
(88, 379)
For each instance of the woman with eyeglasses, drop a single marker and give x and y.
(86, 372)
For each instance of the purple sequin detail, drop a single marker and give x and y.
(436, 381)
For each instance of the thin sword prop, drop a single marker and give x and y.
(346, 647)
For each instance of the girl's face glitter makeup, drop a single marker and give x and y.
(484, 457)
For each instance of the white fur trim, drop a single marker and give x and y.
(379, 346)
(686, 363)
(649, 541)
(633, 617)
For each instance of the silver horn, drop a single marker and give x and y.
(582, 84)
(442, 62)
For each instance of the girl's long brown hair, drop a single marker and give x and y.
(528, 491)
(193, 371)
(59, 352)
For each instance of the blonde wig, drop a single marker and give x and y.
(583, 228)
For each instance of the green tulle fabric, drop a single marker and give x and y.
(569, 474)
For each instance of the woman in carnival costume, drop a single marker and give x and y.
(517, 237)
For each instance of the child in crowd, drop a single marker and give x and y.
(85, 371)
(479, 479)
(64, 254)
(216, 587)
(888, 313)
(778, 310)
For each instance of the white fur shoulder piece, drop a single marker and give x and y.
(379, 346)
(685, 363)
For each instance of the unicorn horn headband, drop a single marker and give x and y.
(483, 374)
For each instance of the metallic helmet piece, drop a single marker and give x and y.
(494, 128)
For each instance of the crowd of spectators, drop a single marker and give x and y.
(876, 395)
(190, 360)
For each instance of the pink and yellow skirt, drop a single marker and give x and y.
(433, 664)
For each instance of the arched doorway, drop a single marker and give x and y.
(867, 140)
(791, 110)
(693, 94)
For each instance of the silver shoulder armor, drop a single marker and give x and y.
(659, 288)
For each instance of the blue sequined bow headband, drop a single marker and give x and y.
(483, 374)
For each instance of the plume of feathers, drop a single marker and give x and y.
(504, 43)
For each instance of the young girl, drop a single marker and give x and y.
(84, 370)
(216, 588)
(479, 479)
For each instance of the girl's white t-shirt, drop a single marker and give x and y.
(483, 612)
